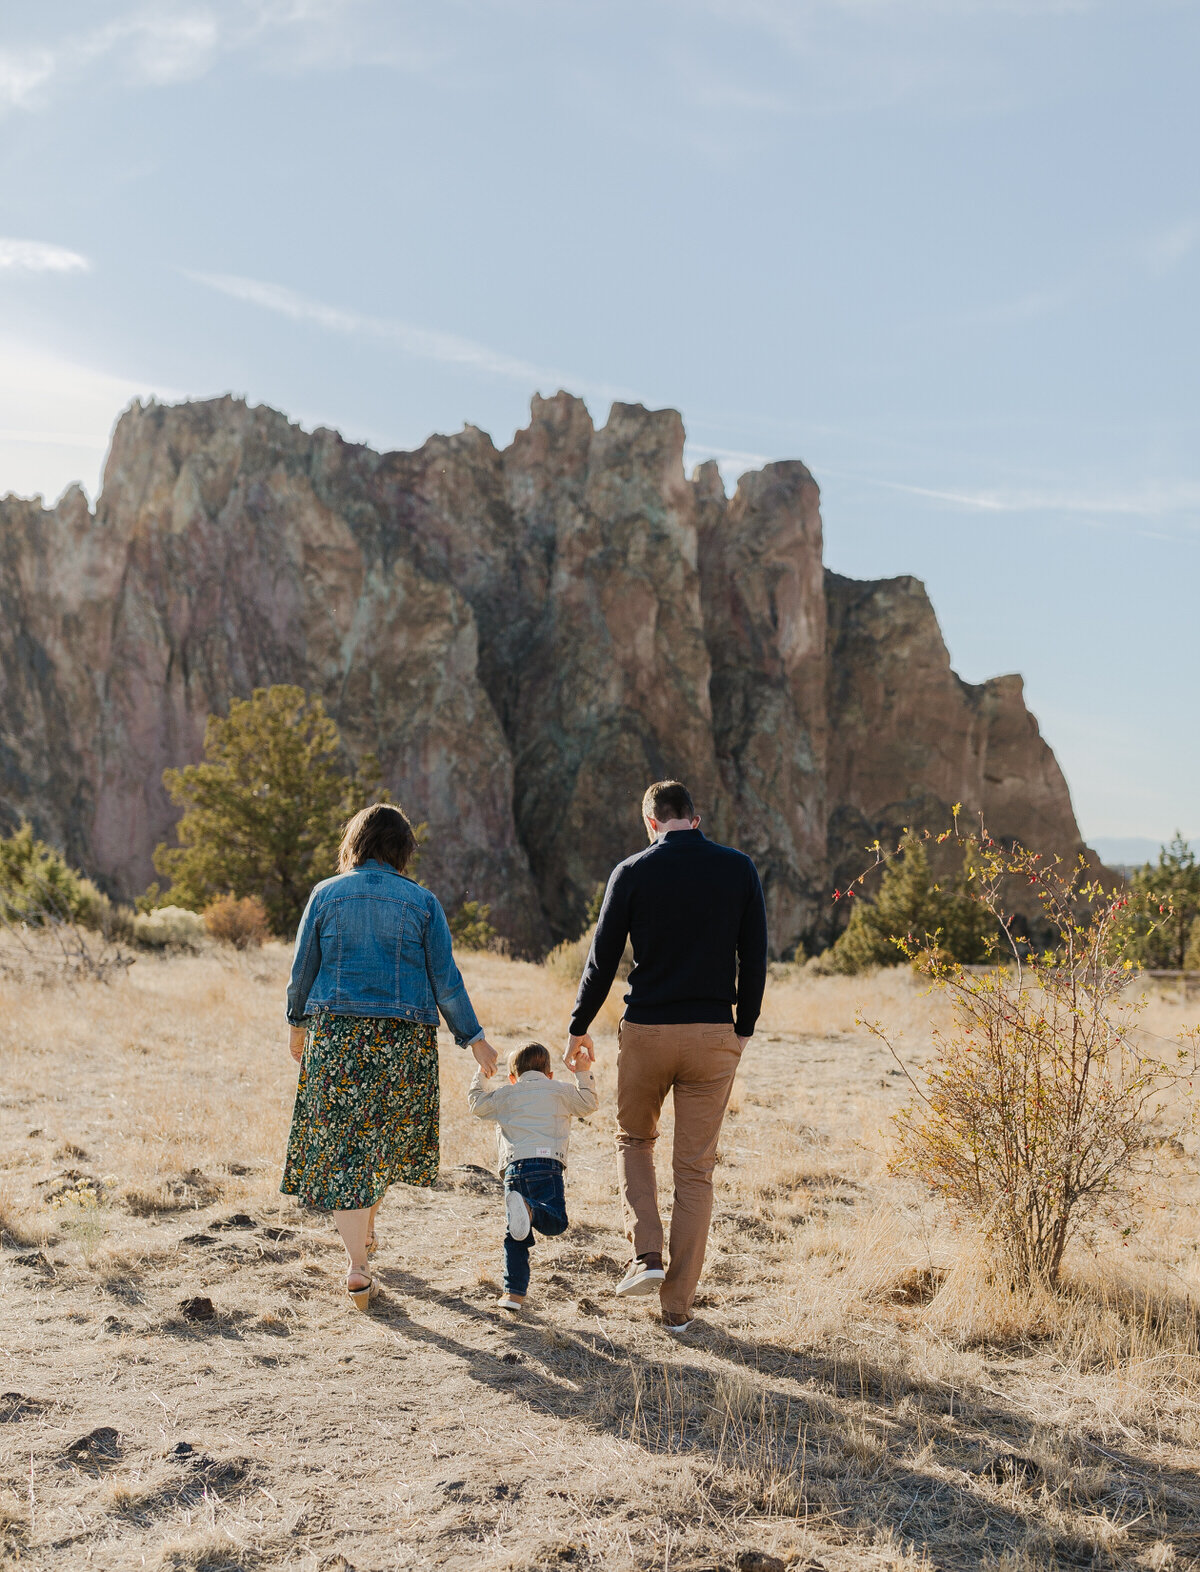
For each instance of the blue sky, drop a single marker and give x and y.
(944, 251)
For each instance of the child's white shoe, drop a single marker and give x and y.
(520, 1219)
(510, 1302)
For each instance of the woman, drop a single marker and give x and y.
(373, 965)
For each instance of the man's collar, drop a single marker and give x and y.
(677, 836)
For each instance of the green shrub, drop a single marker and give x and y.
(150, 899)
(913, 908)
(38, 886)
(470, 928)
(1191, 959)
(1160, 921)
(116, 922)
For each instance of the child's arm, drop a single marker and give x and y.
(582, 1098)
(484, 1100)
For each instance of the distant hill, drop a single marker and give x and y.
(1131, 851)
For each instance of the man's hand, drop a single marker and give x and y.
(581, 1051)
(485, 1055)
(296, 1042)
(742, 1041)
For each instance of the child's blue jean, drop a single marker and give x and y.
(540, 1181)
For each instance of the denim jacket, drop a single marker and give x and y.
(371, 942)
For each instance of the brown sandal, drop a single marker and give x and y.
(362, 1296)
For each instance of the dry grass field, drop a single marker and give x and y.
(855, 1394)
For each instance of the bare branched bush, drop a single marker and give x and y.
(59, 952)
(1045, 1097)
(55, 924)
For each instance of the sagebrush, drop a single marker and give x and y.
(1045, 1097)
(238, 920)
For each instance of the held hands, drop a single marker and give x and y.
(485, 1055)
(581, 1052)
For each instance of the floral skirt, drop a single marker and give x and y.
(366, 1113)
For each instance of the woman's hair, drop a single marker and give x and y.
(380, 833)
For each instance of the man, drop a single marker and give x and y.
(695, 915)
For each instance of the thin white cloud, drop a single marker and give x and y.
(1152, 502)
(731, 462)
(1030, 307)
(36, 256)
(159, 49)
(845, 56)
(420, 343)
(791, 20)
(1155, 254)
(1160, 502)
(155, 46)
(22, 74)
(709, 89)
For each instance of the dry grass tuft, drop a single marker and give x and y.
(20, 1228)
(209, 1551)
(14, 1527)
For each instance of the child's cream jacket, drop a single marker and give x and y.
(533, 1112)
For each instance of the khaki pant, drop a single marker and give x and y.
(697, 1063)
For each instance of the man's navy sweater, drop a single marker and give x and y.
(695, 914)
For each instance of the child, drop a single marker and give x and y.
(534, 1114)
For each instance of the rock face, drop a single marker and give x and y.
(764, 612)
(525, 638)
(221, 557)
(909, 738)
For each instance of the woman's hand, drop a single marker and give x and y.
(485, 1055)
(296, 1043)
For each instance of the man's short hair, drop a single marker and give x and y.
(534, 1056)
(667, 800)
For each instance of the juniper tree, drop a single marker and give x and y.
(264, 811)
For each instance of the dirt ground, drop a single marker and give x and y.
(185, 1386)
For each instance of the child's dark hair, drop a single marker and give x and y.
(534, 1056)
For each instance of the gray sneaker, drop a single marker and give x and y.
(520, 1220)
(643, 1276)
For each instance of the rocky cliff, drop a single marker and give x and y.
(910, 737)
(524, 637)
